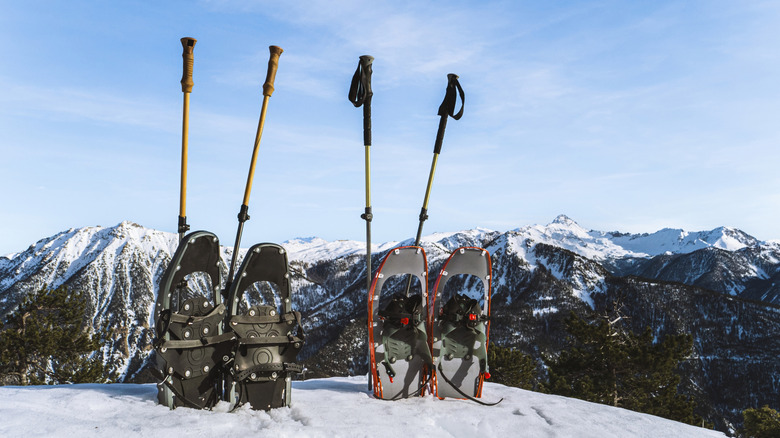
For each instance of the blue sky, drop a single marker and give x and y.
(629, 116)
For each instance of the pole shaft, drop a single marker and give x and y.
(368, 175)
(184, 139)
(252, 164)
(234, 258)
(430, 184)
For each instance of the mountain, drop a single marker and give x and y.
(334, 407)
(718, 285)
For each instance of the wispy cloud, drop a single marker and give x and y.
(85, 104)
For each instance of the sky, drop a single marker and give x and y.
(625, 116)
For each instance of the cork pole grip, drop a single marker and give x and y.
(273, 64)
(188, 44)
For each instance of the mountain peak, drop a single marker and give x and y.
(562, 219)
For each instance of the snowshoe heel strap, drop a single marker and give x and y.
(262, 369)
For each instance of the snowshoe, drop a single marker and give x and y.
(269, 335)
(190, 346)
(400, 354)
(459, 333)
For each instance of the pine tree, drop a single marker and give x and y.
(511, 367)
(611, 365)
(761, 423)
(47, 340)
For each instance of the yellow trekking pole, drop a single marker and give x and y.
(188, 44)
(243, 214)
(446, 110)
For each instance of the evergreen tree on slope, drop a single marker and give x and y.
(47, 340)
(611, 365)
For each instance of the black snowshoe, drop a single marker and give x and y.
(400, 353)
(460, 331)
(269, 336)
(190, 345)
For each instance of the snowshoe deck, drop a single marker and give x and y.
(400, 354)
(459, 332)
(269, 338)
(190, 346)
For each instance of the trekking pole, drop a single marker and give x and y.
(188, 44)
(243, 214)
(360, 94)
(446, 109)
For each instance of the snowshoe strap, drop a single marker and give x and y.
(187, 319)
(262, 319)
(461, 309)
(161, 327)
(268, 319)
(270, 340)
(389, 369)
(196, 343)
(168, 317)
(269, 367)
(403, 310)
(415, 393)
(455, 387)
(402, 317)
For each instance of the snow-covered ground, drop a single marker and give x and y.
(335, 407)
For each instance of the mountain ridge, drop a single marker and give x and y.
(540, 274)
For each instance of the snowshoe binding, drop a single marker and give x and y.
(459, 333)
(190, 345)
(269, 335)
(400, 354)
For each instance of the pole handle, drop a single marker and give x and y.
(360, 88)
(188, 44)
(273, 64)
(360, 93)
(447, 108)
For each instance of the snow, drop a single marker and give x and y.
(551, 309)
(314, 249)
(334, 407)
(78, 247)
(600, 245)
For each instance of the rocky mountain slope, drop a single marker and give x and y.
(720, 285)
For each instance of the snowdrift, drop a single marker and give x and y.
(334, 407)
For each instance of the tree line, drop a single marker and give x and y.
(606, 363)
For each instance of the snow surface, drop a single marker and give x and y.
(334, 407)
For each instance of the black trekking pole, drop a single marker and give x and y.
(243, 213)
(360, 94)
(446, 109)
(188, 44)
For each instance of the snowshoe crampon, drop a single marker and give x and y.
(460, 331)
(400, 353)
(190, 346)
(269, 336)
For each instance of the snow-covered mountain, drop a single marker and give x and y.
(335, 407)
(719, 285)
(600, 245)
